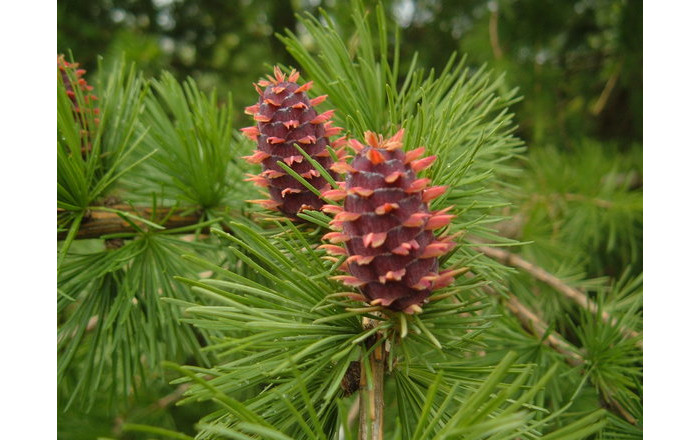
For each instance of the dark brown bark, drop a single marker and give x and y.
(100, 223)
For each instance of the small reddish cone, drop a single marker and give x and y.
(64, 67)
(70, 70)
(286, 116)
(387, 227)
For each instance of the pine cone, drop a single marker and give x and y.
(387, 226)
(285, 117)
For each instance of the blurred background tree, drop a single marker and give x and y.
(578, 63)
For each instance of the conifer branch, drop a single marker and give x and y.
(619, 409)
(557, 284)
(493, 36)
(531, 322)
(100, 223)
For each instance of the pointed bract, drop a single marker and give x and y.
(421, 164)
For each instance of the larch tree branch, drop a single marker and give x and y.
(101, 223)
(580, 298)
(532, 323)
(493, 35)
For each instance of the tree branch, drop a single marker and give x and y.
(535, 325)
(529, 320)
(619, 409)
(607, 90)
(493, 35)
(557, 284)
(532, 323)
(100, 223)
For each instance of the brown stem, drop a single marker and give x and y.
(532, 323)
(493, 35)
(377, 413)
(529, 320)
(540, 274)
(605, 94)
(372, 400)
(171, 398)
(100, 223)
(363, 431)
(620, 410)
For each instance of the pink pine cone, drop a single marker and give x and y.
(286, 116)
(387, 226)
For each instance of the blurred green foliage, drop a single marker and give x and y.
(578, 64)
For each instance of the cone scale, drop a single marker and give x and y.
(286, 116)
(387, 227)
